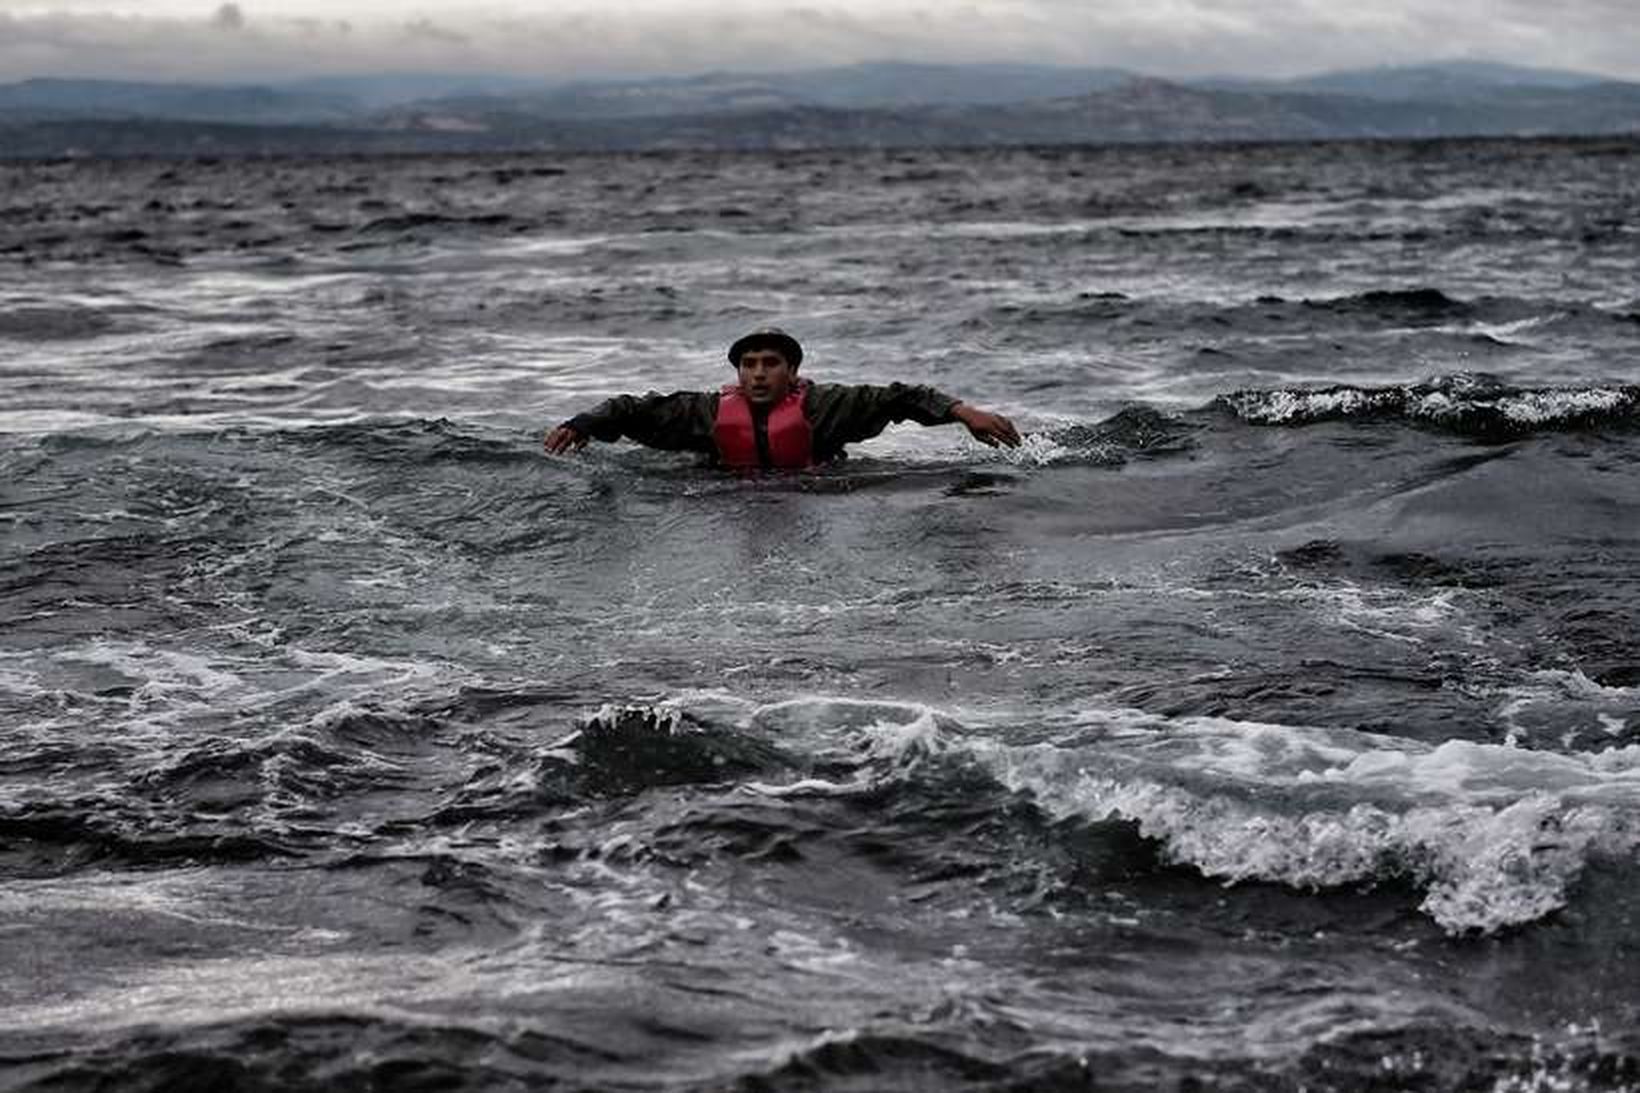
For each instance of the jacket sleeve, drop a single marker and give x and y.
(681, 421)
(842, 413)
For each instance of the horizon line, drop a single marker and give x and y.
(1595, 75)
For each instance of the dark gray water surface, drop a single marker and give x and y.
(1269, 720)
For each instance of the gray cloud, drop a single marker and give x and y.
(1183, 37)
(428, 31)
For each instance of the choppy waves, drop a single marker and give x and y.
(1268, 720)
(1495, 836)
(1476, 405)
(1116, 825)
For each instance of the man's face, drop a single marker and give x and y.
(765, 376)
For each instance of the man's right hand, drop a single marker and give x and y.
(564, 439)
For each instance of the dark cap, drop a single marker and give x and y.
(770, 337)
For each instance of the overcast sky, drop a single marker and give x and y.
(564, 39)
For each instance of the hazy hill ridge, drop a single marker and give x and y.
(887, 104)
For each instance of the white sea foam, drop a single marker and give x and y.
(1525, 407)
(1040, 449)
(1391, 613)
(1449, 402)
(1278, 407)
(1557, 707)
(50, 421)
(170, 690)
(1495, 836)
(1506, 330)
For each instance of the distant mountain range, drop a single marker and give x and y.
(888, 104)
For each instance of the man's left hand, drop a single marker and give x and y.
(986, 427)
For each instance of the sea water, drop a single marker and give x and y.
(1270, 719)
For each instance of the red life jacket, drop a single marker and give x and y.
(791, 442)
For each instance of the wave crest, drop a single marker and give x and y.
(1314, 809)
(1469, 403)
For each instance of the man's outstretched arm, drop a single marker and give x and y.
(845, 413)
(681, 421)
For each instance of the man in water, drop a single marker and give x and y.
(770, 418)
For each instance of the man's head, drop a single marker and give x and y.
(766, 363)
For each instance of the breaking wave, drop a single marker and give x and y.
(1473, 404)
